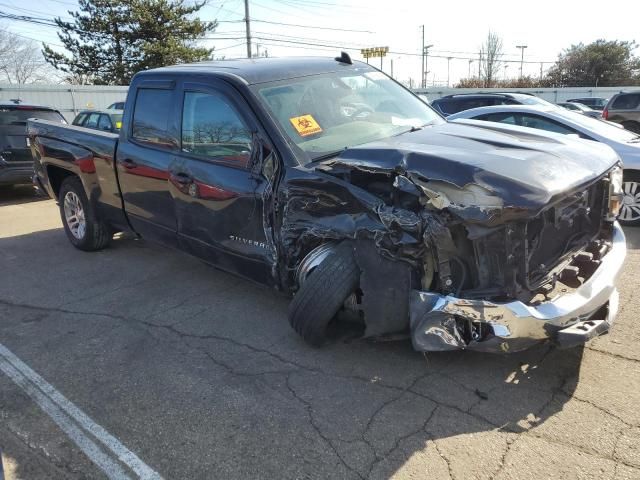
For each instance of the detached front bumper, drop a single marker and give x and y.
(569, 319)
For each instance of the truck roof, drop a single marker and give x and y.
(260, 70)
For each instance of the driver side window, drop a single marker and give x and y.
(213, 130)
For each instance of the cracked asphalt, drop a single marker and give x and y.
(199, 374)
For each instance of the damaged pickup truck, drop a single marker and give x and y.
(328, 181)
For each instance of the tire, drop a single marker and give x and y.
(84, 230)
(630, 211)
(322, 294)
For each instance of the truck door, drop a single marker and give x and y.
(219, 201)
(143, 160)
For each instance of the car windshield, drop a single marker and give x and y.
(15, 116)
(600, 127)
(324, 114)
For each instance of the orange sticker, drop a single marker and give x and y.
(305, 125)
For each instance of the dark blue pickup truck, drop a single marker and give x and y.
(330, 182)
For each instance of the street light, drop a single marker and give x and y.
(521, 47)
(505, 71)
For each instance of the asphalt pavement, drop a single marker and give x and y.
(138, 361)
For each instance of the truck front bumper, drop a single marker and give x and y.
(570, 319)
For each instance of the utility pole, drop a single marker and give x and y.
(422, 79)
(521, 47)
(426, 64)
(479, 65)
(392, 68)
(541, 71)
(448, 62)
(469, 72)
(248, 24)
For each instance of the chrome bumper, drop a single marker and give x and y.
(515, 325)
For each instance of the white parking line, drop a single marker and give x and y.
(75, 423)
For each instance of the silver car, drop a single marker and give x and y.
(625, 143)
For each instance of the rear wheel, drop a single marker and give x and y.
(81, 224)
(630, 211)
(323, 293)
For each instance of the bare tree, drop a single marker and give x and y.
(20, 60)
(490, 58)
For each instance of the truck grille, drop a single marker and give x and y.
(567, 227)
(540, 247)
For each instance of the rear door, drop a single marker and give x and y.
(219, 200)
(144, 159)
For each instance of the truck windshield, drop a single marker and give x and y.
(324, 114)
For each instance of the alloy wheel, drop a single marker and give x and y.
(74, 215)
(630, 210)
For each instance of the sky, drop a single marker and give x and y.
(455, 29)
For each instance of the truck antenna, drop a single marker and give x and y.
(344, 58)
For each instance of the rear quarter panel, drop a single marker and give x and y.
(87, 153)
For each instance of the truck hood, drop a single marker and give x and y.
(483, 164)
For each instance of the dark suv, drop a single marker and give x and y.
(624, 108)
(451, 104)
(16, 163)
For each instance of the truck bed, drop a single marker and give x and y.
(62, 149)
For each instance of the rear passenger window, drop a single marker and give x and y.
(211, 128)
(151, 117)
(80, 119)
(626, 102)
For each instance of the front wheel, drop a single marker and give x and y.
(630, 210)
(323, 293)
(81, 224)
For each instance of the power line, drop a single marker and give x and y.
(311, 26)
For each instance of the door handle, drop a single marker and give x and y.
(182, 178)
(128, 163)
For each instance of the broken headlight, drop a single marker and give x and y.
(615, 193)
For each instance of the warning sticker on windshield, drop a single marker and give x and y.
(305, 125)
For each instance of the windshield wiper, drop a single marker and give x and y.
(328, 155)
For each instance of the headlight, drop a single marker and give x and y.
(615, 193)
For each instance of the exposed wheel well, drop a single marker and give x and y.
(56, 177)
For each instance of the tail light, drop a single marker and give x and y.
(605, 114)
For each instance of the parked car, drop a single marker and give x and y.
(625, 143)
(624, 108)
(16, 164)
(116, 106)
(597, 103)
(451, 104)
(580, 108)
(329, 181)
(105, 120)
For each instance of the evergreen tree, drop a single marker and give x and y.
(108, 41)
(601, 63)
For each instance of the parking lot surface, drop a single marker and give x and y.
(188, 372)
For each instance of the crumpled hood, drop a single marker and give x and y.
(526, 170)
